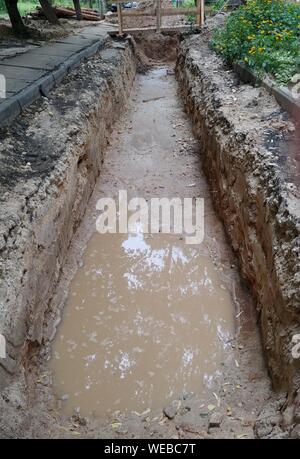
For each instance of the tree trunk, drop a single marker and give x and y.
(49, 12)
(77, 9)
(91, 3)
(18, 26)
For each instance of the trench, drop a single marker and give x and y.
(149, 318)
(139, 334)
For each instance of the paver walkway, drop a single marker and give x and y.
(33, 73)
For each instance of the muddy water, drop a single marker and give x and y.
(148, 317)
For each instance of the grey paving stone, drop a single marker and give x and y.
(76, 40)
(37, 61)
(56, 49)
(20, 73)
(13, 85)
(35, 72)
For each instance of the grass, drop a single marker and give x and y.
(26, 6)
(191, 18)
(215, 5)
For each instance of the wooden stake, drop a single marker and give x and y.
(120, 19)
(199, 12)
(202, 17)
(158, 16)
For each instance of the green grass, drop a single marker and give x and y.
(215, 5)
(191, 18)
(26, 6)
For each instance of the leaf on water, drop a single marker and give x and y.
(115, 425)
(143, 413)
(217, 398)
(63, 428)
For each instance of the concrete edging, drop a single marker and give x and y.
(15, 105)
(282, 95)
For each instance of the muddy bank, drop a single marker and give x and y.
(50, 159)
(252, 164)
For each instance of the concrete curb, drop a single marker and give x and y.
(13, 106)
(283, 96)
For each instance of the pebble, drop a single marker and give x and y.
(215, 419)
(171, 410)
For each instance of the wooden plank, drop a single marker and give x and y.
(133, 13)
(152, 29)
(158, 16)
(164, 12)
(183, 11)
(178, 11)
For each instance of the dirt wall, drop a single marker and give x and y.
(251, 162)
(50, 159)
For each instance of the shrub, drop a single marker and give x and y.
(2, 6)
(265, 34)
(217, 5)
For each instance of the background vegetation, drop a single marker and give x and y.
(25, 6)
(264, 34)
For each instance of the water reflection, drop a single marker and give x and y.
(147, 319)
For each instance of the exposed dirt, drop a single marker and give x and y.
(157, 47)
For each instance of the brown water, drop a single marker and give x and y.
(148, 317)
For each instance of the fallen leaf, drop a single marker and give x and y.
(115, 425)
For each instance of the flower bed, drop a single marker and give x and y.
(265, 35)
